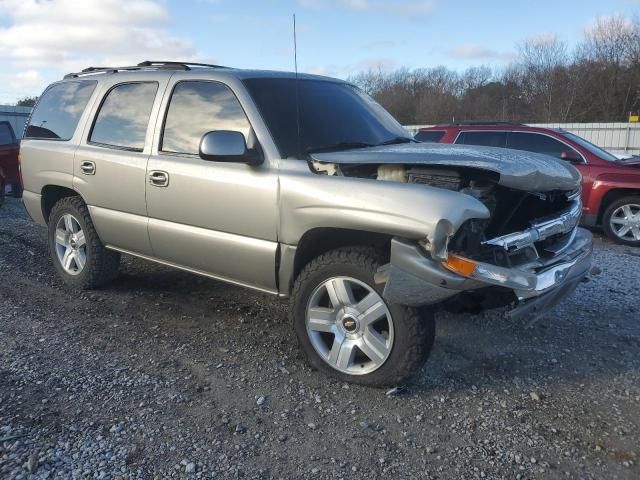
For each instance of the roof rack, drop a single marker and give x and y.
(147, 64)
(477, 123)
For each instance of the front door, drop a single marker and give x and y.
(212, 217)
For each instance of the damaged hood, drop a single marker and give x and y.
(517, 169)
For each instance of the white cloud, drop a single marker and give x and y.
(62, 35)
(399, 7)
(28, 79)
(472, 51)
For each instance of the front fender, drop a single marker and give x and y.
(404, 210)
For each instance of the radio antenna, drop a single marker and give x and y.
(295, 65)
(295, 46)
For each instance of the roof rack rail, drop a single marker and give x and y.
(154, 63)
(477, 123)
(159, 65)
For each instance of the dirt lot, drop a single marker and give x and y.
(165, 374)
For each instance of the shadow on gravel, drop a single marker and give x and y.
(584, 338)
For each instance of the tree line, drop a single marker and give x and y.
(598, 81)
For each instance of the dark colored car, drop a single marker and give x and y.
(610, 187)
(9, 169)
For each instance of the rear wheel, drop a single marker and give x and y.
(346, 328)
(621, 221)
(78, 255)
(2, 187)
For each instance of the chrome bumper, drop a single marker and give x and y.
(414, 279)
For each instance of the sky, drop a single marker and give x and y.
(40, 40)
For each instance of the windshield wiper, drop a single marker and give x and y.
(398, 140)
(339, 146)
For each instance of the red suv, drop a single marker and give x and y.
(610, 187)
(9, 170)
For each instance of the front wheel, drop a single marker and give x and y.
(621, 221)
(346, 328)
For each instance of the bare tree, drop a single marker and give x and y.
(543, 60)
(599, 81)
(610, 49)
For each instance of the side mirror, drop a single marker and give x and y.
(571, 156)
(227, 146)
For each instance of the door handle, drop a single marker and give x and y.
(158, 178)
(88, 167)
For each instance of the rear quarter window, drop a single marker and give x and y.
(58, 111)
(433, 136)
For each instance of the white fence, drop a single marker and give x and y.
(615, 137)
(618, 138)
(17, 116)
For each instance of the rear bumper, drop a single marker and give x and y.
(414, 279)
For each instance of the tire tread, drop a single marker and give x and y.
(102, 264)
(420, 324)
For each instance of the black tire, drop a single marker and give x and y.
(606, 218)
(414, 330)
(101, 265)
(1, 193)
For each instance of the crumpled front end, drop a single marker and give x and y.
(533, 268)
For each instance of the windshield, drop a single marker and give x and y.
(333, 116)
(603, 154)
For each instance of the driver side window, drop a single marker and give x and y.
(534, 142)
(198, 107)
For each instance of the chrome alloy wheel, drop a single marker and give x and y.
(71, 245)
(349, 325)
(625, 222)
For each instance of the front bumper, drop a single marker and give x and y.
(414, 279)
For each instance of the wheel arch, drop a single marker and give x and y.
(52, 194)
(611, 196)
(320, 240)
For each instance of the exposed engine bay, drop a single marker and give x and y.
(523, 226)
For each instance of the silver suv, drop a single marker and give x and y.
(305, 188)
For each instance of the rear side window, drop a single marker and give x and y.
(198, 107)
(123, 117)
(429, 136)
(533, 142)
(59, 109)
(485, 139)
(6, 134)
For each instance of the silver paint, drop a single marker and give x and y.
(517, 169)
(242, 223)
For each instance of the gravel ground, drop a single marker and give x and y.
(165, 374)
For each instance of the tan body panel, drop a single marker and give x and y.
(226, 220)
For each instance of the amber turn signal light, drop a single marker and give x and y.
(460, 265)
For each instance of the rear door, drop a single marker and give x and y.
(111, 161)
(213, 217)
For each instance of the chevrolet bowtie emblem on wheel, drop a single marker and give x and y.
(349, 324)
